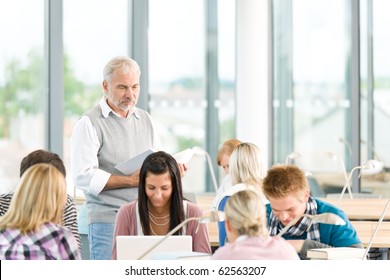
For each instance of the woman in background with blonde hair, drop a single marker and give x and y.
(246, 227)
(246, 172)
(246, 167)
(30, 228)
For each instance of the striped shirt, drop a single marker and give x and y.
(69, 218)
(50, 242)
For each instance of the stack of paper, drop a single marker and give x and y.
(130, 166)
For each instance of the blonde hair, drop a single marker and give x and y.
(227, 148)
(246, 165)
(40, 197)
(246, 213)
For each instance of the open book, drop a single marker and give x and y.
(336, 253)
(133, 164)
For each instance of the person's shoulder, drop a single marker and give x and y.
(95, 111)
(226, 182)
(324, 206)
(142, 114)
(6, 196)
(58, 232)
(52, 227)
(286, 250)
(191, 205)
(268, 207)
(70, 206)
(5, 202)
(69, 200)
(193, 209)
(222, 253)
(128, 207)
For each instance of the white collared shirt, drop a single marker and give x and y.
(85, 166)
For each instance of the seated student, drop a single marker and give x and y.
(246, 227)
(160, 206)
(288, 192)
(247, 172)
(223, 157)
(69, 218)
(30, 229)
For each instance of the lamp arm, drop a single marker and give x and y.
(343, 168)
(168, 234)
(376, 229)
(214, 179)
(347, 184)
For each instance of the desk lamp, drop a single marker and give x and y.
(372, 166)
(324, 218)
(290, 157)
(336, 158)
(346, 143)
(207, 217)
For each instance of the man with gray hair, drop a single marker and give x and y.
(110, 133)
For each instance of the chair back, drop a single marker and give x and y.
(221, 225)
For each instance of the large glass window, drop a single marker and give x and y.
(89, 43)
(311, 100)
(375, 91)
(381, 62)
(22, 91)
(314, 102)
(226, 69)
(178, 79)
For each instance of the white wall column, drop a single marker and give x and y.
(253, 77)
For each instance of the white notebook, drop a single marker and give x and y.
(133, 164)
(132, 247)
(336, 253)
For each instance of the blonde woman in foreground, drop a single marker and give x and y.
(246, 227)
(30, 229)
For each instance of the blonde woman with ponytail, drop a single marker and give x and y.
(246, 227)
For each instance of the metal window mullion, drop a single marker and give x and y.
(355, 92)
(138, 45)
(370, 82)
(54, 80)
(271, 76)
(283, 81)
(212, 84)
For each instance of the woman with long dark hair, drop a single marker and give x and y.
(160, 206)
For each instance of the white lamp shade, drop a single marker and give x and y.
(372, 167)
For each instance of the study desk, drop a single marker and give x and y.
(364, 214)
(366, 209)
(366, 229)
